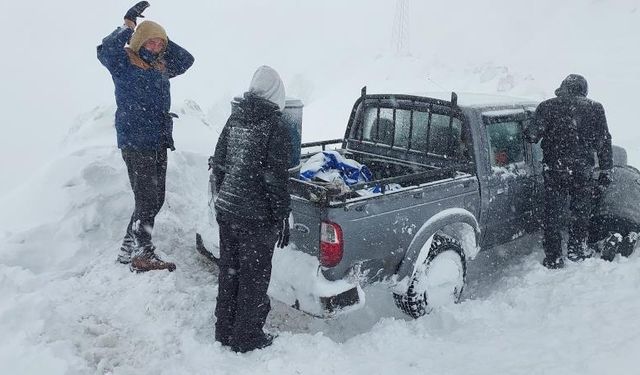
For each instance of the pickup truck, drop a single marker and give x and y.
(464, 179)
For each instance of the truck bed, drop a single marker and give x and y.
(385, 171)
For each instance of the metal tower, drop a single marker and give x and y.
(400, 35)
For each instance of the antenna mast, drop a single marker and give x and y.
(401, 29)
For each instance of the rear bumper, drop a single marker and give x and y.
(297, 281)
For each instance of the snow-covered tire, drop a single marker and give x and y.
(445, 257)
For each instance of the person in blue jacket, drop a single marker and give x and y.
(144, 125)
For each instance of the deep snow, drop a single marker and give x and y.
(68, 308)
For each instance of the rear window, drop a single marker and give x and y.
(423, 131)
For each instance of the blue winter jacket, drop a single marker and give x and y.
(143, 121)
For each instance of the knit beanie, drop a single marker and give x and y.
(147, 30)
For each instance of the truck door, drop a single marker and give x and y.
(512, 179)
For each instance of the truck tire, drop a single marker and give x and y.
(439, 280)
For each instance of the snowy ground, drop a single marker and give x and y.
(68, 308)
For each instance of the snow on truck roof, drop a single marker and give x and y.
(473, 100)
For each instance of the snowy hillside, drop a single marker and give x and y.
(68, 308)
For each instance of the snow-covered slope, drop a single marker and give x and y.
(68, 308)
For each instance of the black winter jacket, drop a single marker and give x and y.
(250, 164)
(573, 130)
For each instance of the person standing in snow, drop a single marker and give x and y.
(252, 209)
(144, 125)
(575, 138)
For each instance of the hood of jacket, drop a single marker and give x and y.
(573, 85)
(147, 30)
(266, 84)
(256, 108)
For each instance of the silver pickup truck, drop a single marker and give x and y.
(464, 179)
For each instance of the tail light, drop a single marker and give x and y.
(331, 244)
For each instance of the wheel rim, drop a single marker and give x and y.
(442, 280)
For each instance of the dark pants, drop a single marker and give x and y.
(147, 175)
(580, 188)
(246, 249)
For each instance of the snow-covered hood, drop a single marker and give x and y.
(266, 83)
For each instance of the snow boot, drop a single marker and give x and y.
(553, 263)
(577, 252)
(576, 255)
(628, 244)
(265, 341)
(147, 260)
(126, 249)
(610, 246)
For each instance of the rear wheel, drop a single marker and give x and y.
(438, 281)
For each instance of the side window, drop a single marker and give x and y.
(506, 143)
(444, 136)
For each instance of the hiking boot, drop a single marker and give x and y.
(553, 263)
(577, 251)
(126, 249)
(148, 260)
(610, 247)
(578, 255)
(628, 245)
(263, 342)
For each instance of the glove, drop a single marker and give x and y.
(283, 233)
(605, 178)
(136, 11)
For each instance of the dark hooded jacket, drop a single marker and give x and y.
(573, 129)
(251, 164)
(142, 92)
